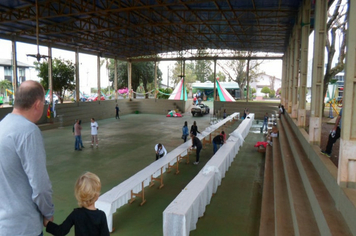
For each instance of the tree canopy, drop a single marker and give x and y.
(236, 70)
(5, 84)
(63, 74)
(265, 90)
(337, 28)
(142, 73)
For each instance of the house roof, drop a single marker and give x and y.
(8, 62)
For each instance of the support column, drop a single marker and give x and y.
(284, 79)
(98, 76)
(50, 75)
(115, 79)
(305, 24)
(155, 78)
(14, 66)
(286, 87)
(347, 158)
(184, 87)
(129, 75)
(214, 87)
(316, 112)
(296, 61)
(215, 81)
(248, 79)
(77, 84)
(290, 75)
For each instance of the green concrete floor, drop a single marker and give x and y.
(126, 146)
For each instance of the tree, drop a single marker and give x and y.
(336, 26)
(190, 76)
(272, 80)
(272, 93)
(5, 84)
(203, 70)
(236, 70)
(142, 73)
(220, 75)
(265, 90)
(63, 74)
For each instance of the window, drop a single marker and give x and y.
(8, 71)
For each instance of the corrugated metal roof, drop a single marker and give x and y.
(132, 28)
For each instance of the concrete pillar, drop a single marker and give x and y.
(77, 83)
(347, 157)
(304, 62)
(296, 62)
(248, 79)
(284, 79)
(129, 75)
(286, 90)
(316, 112)
(14, 66)
(184, 87)
(98, 77)
(50, 74)
(290, 75)
(155, 80)
(214, 86)
(115, 80)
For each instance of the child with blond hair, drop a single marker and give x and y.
(88, 220)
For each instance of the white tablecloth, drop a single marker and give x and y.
(181, 216)
(118, 196)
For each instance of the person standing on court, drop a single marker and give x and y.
(117, 109)
(185, 131)
(78, 134)
(265, 122)
(94, 132)
(198, 145)
(25, 188)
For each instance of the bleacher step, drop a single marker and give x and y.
(267, 209)
(328, 218)
(282, 211)
(303, 218)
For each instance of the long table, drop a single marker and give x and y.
(133, 187)
(181, 216)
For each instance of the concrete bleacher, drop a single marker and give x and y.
(303, 201)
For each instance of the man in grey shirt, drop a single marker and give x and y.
(25, 188)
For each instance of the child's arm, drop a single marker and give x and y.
(63, 229)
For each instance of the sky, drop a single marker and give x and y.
(88, 63)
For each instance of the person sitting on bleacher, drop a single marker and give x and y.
(272, 134)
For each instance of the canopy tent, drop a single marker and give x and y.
(224, 95)
(178, 92)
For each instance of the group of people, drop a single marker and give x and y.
(77, 132)
(196, 143)
(26, 191)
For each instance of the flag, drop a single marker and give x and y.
(49, 111)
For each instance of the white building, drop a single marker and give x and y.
(265, 80)
(24, 71)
